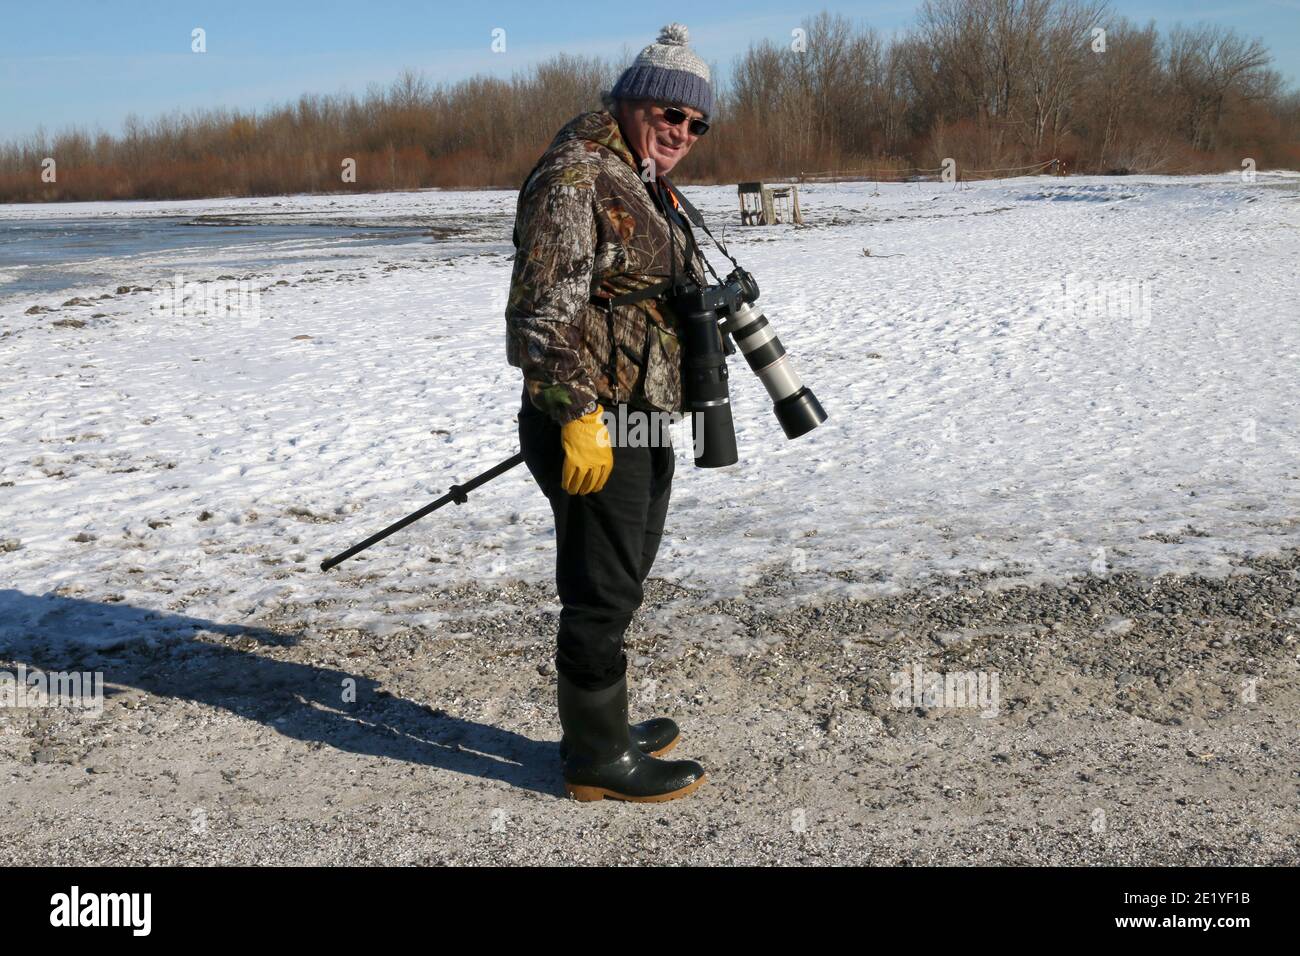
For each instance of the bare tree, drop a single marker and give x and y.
(1207, 64)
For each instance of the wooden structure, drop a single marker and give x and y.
(762, 205)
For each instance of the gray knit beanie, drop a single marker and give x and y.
(668, 71)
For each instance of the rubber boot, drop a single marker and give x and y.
(656, 737)
(602, 761)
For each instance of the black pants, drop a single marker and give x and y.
(605, 546)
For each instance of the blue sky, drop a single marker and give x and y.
(92, 62)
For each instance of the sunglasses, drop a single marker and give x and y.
(675, 117)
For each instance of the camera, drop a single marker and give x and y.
(710, 317)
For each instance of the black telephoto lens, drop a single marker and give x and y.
(704, 374)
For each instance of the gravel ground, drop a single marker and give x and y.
(1136, 721)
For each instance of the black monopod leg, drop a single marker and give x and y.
(457, 494)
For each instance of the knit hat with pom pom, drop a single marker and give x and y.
(668, 71)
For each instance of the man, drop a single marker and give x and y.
(589, 321)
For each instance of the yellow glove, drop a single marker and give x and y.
(588, 457)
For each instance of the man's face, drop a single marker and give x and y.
(651, 136)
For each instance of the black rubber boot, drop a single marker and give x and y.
(601, 759)
(656, 737)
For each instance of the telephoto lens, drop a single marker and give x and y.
(796, 407)
(704, 377)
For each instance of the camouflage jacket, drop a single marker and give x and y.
(587, 229)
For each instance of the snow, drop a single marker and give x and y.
(987, 410)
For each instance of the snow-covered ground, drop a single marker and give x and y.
(1039, 376)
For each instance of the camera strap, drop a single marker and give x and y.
(696, 217)
(652, 291)
(657, 289)
(681, 202)
(675, 210)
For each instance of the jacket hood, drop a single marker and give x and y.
(599, 127)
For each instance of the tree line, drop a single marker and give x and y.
(996, 85)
